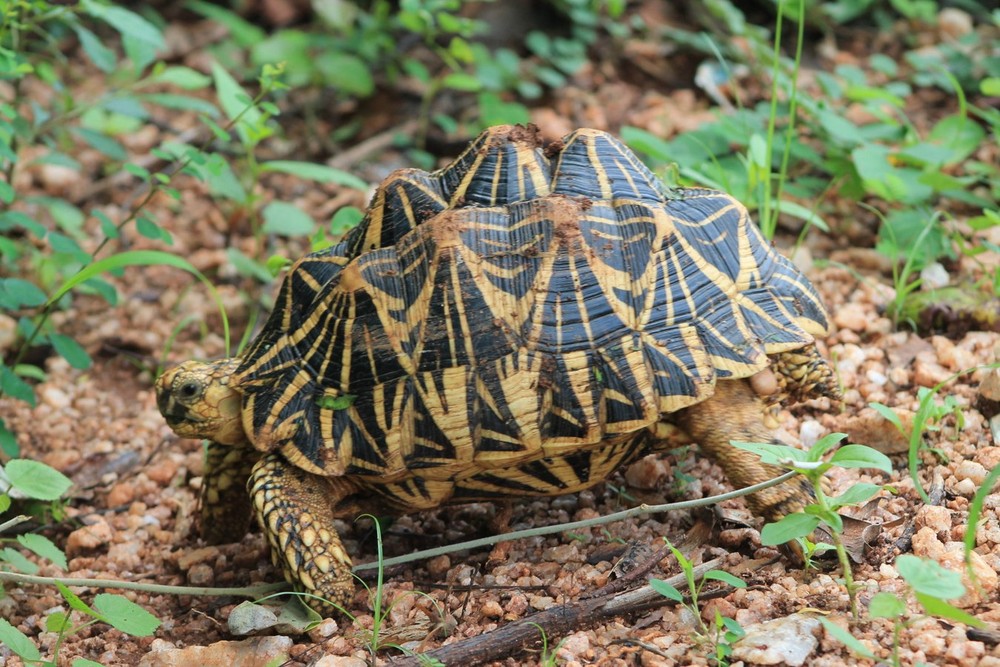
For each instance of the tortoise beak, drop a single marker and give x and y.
(172, 410)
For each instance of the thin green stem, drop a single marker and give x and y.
(838, 544)
(792, 108)
(244, 591)
(766, 214)
(575, 525)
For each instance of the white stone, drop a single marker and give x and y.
(783, 641)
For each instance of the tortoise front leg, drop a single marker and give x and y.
(735, 412)
(225, 507)
(295, 511)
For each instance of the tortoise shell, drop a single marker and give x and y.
(523, 303)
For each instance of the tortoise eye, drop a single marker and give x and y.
(189, 390)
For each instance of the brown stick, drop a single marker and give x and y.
(557, 621)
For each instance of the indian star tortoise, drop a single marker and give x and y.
(523, 322)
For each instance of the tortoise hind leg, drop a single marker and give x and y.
(225, 507)
(735, 412)
(295, 511)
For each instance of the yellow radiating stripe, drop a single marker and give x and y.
(459, 194)
(597, 164)
(463, 316)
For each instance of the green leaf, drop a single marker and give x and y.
(21, 292)
(990, 86)
(888, 413)
(886, 605)
(807, 215)
(71, 351)
(84, 662)
(788, 528)
(666, 590)
(102, 143)
(345, 219)
(15, 387)
(315, 172)
(57, 622)
(245, 266)
(929, 577)
(44, 547)
(960, 134)
(182, 77)
(18, 561)
(938, 607)
(74, 601)
(37, 480)
(846, 638)
(103, 57)
(237, 104)
(773, 454)
(461, 81)
(125, 615)
(858, 493)
(126, 22)
(17, 641)
(860, 456)
(245, 33)
(341, 402)
(345, 73)
(725, 577)
(286, 219)
(8, 442)
(182, 102)
(7, 193)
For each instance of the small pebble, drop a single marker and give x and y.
(646, 473)
(965, 487)
(492, 609)
(971, 470)
(439, 565)
(852, 316)
(809, 432)
(327, 628)
(54, 397)
(934, 276)
(92, 536)
(935, 517)
(201, 575)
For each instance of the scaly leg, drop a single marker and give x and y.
(295, 511)
(225, 506)
(735, 412)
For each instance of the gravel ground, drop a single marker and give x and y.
(136, 484)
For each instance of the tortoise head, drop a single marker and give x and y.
(198, 401)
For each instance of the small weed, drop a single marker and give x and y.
(548, 657)
(725, 631)
(930, 584)
(798, 525)
(25, 479)
(929, 413)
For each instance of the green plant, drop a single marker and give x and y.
(26, 479)
(724, 631)
(929, 412)
(931, 586)
(797, 526)
(548, 657)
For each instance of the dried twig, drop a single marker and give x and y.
(515, 637)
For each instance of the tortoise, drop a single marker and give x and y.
(522, 322)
